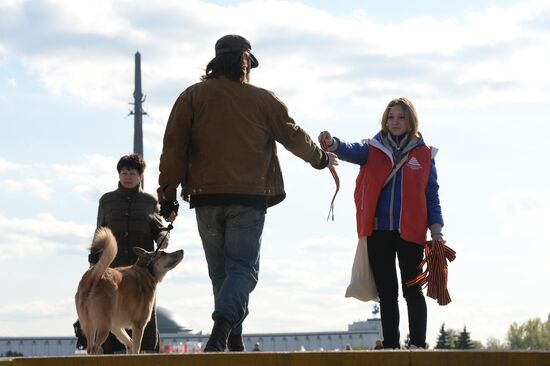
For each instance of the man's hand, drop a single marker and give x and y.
(332, 160)
(169, 210)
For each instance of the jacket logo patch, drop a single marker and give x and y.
(414, 164)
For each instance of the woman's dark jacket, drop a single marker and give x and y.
(133, 217)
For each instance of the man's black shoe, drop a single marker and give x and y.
(218, 338)
(235, 343)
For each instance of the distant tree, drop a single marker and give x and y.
(477, 344)
(442, 338)
(531, 335)
(456, 339)
(452, 336)
(14, 354)
(464, 341)
(494, 344)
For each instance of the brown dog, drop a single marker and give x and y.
(112, 299)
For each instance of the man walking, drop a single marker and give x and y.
(220, 146)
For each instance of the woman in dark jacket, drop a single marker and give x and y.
(133, 217)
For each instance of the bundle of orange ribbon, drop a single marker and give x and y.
(436, 273)
(336, 180)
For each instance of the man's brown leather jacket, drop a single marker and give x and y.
(220, 139)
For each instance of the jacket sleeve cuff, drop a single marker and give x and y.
(334, 145)
(324, 162)
(435, 229)
(166, 193)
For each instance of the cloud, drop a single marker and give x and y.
(11, 4)
(185, 233)
(326, 57)
(106, 82)
(153, 134)
(94, 176)
(309, 270)
(20, 237)
(34, 310)
(91, 17)
(6, 166)
(522, 212)
(35, 187)
(541, 21)
(328, 244)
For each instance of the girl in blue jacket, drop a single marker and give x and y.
(397, 201)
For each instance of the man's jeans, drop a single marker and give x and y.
(231, 237)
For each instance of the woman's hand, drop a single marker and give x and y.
(438, 238)
(326, 138)
(332, 160)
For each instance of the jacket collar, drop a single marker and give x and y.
(382, 142)
(128, 192)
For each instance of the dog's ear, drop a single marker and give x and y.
(140, 252)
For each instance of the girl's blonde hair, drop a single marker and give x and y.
(410, 115)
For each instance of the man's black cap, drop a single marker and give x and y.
(235, 43)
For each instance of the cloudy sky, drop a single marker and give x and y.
(477, 72)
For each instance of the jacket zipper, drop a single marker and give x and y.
(392, 199)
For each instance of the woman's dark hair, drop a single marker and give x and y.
(133, 161)
(230, 65)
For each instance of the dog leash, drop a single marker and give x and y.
(336, 180)
(155, 254)
(167, 229)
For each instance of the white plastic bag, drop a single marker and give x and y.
(362, 285)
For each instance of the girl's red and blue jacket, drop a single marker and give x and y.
(408, 202)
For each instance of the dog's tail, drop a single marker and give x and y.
(104, 242)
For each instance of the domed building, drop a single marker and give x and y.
(170, 324)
